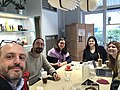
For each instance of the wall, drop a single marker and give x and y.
(49, 24)
(66, 18)
(33, 8)
(49, 19)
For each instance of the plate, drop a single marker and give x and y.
(68, 69)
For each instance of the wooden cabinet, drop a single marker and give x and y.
(76, 37)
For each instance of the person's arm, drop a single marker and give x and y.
(68, 59)
(103, 53)
(52, 60)
(118, 66)
(84, 56)
(50, 69)
(47, 66)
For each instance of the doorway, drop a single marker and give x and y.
(50, 42)
(37, 21)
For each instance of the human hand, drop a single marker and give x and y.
(56, 77)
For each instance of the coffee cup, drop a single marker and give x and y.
(107, 63)
(68, 67)
(44, 76)
(99, 62)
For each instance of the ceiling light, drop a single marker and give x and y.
(69, 5)
(64, 4)
(88, 5)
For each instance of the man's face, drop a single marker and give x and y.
(12, 61)
(38, 46)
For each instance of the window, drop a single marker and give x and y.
(97, 20)
(113, 25)
(107, 22)
(113, 2)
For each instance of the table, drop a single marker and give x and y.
(76, 77)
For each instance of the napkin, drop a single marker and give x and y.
(102, 81)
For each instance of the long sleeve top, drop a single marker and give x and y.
(116, 75)
(88, 56)
(35, 64)
(54, 56)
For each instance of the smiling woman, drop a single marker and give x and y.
(93, 52)
(58, 55)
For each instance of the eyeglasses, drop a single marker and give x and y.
(4, 42)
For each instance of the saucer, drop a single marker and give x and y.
(68, 69)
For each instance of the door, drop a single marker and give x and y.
(50, 42)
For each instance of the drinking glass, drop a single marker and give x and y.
(68, 76)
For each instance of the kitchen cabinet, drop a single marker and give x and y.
(10, 29)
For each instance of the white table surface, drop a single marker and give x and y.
(76, 78)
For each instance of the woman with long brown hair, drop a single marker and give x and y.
(113, 49)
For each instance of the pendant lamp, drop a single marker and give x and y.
(64, 4)
(69, 5)
(88, 5)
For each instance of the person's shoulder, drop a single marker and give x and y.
(52, 49)
(100, 47)
(119, 55)
(85, 50)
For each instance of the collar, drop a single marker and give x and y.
(19, 84)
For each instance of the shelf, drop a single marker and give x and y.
(114, 24)
(9, 15)
(15, 31)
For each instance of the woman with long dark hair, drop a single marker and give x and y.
(58, 55)
(93, 51)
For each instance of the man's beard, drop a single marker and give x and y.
(10, 74)
(39, 50)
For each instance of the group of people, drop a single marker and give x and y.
(112, 53)
(15, 62)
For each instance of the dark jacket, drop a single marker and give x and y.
(88, 56)
(4, 85)
(115, 84)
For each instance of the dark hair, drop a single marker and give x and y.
(112, 61)
(96, 44)
(36, 40)
(57, 48)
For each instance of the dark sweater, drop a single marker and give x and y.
(4, 85)
(88, 56)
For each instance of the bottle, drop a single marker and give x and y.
(7, 26)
